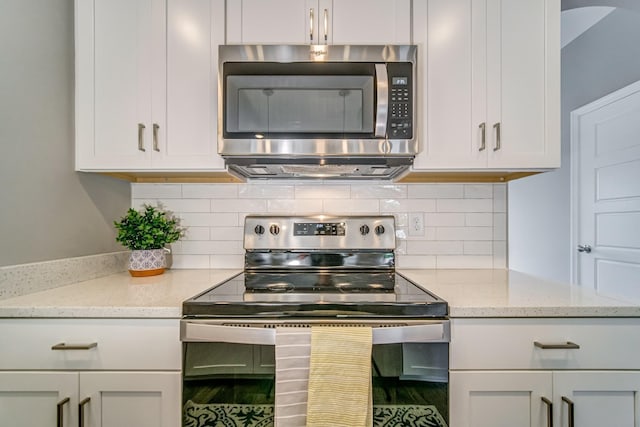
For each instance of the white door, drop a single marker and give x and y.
(131, 399)
(195, 29)
(120, 70)
(598, 398)
(29, 399)
(499, 398)
(366, 21)
(606, 186)
(523, 83)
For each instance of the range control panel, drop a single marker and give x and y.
(319, 232)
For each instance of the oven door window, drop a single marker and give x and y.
(223, 380)
(299, 101)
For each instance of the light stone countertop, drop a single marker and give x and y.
(508, 293)
(117, 295)
(470, 293)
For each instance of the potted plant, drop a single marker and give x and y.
(146, 233)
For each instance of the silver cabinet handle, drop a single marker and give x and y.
(311, 25)
(498, 145)
(569, 402)
(65, 346)
(565, 346)
(549, 411)
(584, 248)
(156, 147)
(60, 412)
(483, 136)
(141, 137)
(81, 406)
(326, 25)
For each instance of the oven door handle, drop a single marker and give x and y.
(203, 332)
(382, 94)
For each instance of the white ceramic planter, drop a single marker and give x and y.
(147, 262)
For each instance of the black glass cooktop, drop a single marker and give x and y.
(316, 294)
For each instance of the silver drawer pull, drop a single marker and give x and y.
(81, 407)
(65, 346)
(60, 412)
(566, 346)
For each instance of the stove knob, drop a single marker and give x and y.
(364, 230)
(259, 229)
(274, 229)
(379, 229)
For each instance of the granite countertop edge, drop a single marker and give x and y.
(470, 294)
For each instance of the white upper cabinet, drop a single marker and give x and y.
(319, 22)
(146, 84)
(489, 83)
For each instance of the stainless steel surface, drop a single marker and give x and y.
(563, 346)
(60, 412)
(311, 19)
(256, 261)
(549, 411)
(81, 407)
(156, 127)
(483, 136)
(382, 89)
(570, 417)
(263, 332)
(326, 25)
(65, 346)
(352, 238)
(141, 137)
(584, 248)
(498, 144)
(380, 157)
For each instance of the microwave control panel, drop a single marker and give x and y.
(400, 121)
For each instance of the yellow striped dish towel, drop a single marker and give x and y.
(340, 377)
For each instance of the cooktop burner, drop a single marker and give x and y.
(316, 294)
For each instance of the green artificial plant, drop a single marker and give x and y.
(150, 228)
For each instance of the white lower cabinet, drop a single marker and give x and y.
(582, 372)
(90, 372)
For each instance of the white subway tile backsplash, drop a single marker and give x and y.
(323, 192)
(296, 206)
(464, 205)
(350, 206)
(156, 191)
(407, 205)
(361, 191)
(435, 191)
(255, 191)
(478, 191)
(464, 224)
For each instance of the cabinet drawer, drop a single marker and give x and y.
(141, 344)
(605, 343)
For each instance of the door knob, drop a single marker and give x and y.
(584, 248)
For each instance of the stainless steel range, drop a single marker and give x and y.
(302, 271)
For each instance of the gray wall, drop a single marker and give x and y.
(603, 59)
(47, 211)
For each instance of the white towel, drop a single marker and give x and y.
(293, 349)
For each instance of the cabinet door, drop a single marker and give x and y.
(29, 399)
(599, 398)
(523, 81)
(195, 29)
(119, 71)
(141, 399)
(272, 21)
(499, 399)
(452, 89)
(365, 21)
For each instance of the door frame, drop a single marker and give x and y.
(575, 116)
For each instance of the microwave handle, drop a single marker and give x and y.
(382, 108)
(203, 332)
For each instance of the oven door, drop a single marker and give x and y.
(229, 370)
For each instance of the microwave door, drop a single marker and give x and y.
(382, 107)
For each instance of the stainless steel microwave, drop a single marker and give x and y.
(299, 111)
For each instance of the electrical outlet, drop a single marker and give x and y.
(416, 224)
